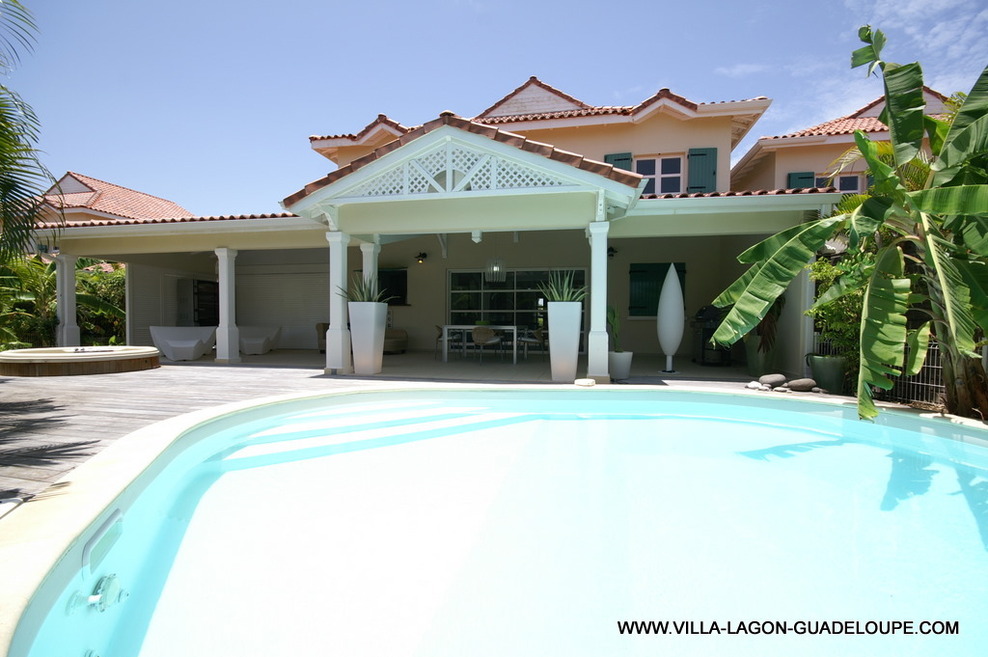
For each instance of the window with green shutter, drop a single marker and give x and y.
(619, 160)
(801, 180)
(702, 168)
(645, 286)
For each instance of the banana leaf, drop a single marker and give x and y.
(883, 329)
(778, 260)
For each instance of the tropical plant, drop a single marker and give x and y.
(29, 285)
(921, 249)
(838, 322)
(23, 178)
(364, 289)
(561, 287)
(614, 324)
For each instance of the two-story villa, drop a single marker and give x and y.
(464, 217)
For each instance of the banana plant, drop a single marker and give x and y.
(920, 239)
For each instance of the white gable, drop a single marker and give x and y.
(450, 167)
(533, 100)
(71, 185)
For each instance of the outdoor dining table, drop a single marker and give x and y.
(469, 327)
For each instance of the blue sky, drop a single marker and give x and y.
(209, 103)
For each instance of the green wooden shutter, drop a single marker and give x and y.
(701, 166)
(801, 180)
(619, 160)
(645, 286)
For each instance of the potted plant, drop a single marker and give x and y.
(565, 301)
(838, 323)
(368, 310)
(619, 360)
(759, 344)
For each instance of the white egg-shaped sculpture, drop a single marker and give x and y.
(670, 317)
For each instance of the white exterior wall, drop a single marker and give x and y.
(152, 299)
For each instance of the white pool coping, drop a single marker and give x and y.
(35, 537)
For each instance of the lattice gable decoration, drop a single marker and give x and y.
(452, 167)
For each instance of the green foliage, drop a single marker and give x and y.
(364, 289)
(562, 288)
(917, 244)
(28, 291)
(23, 178)
(614, 324)
(839, 300)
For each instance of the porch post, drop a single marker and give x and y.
(338, 357)
(597, 341)
(67, 334)
(369, 253)
(227, 334)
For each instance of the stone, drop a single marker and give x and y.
(774, 380)
(753, 385)
(780, 389)
(802, 385)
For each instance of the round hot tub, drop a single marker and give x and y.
(69, 361)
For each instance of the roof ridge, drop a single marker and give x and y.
(129, 189)
(535, 81)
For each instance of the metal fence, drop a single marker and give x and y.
(925, 387)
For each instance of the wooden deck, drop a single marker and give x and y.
(50, 424)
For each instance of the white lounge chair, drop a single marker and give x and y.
(184, 342)
(258, 339)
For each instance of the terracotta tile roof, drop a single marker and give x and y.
(381, 120)
(101, 196)
(583, 108)
(845, 125)
(166, 220)
(756, 192)
(859, 119)
(450, 119)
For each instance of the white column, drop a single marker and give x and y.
(369, 253)
(339, 360)
(597, 342)
(227, 334)
(67, 334)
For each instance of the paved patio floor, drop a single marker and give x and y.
(48, 425)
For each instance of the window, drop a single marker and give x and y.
(849, 184)
(664, 174)
(645, 286)
(517, 301)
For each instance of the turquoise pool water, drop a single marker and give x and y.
(533, 523)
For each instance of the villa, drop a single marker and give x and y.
(539, 181)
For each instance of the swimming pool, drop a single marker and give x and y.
(528, 522)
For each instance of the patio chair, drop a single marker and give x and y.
(455, 340)
(536, 338)
(484, 337)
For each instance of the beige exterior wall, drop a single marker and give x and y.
(660, 134)
(818, 158)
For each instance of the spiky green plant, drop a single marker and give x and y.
(364, 289)
(561, 287)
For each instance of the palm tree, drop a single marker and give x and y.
(920, 237)
(23, 178)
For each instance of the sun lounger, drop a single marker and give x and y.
(258, 339)
(184, 342)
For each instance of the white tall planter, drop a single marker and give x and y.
(367, 325)
(564, 339)
(671, 317)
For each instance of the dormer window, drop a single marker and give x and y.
(664, 174)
